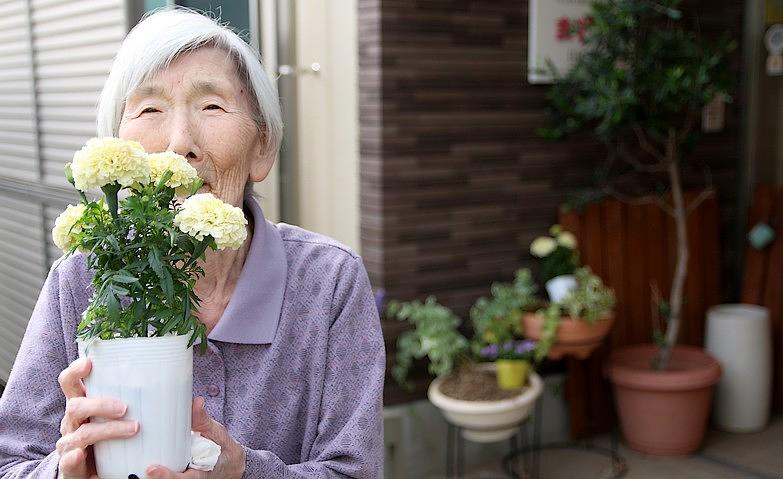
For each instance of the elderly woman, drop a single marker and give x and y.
(292, 382)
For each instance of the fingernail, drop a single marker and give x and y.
(119, 408)
(152, 471)
(132, 427)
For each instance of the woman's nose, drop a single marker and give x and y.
(183, 138)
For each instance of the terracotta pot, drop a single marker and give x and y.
(574, 337)
(663, 412)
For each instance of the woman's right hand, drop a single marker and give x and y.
(78, 433)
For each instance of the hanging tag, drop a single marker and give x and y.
(773, 40)
(775, 65)
(713, 115)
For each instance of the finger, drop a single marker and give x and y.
(70, 378)
(201, 422)
(73, 464)
(157, 471)
(89, 433)
(79, 409)
(199, 418)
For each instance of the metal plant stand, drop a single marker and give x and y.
(521, 446)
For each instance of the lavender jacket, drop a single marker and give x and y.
(294, 368)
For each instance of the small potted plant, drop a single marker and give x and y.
(466, 392)
(576, 325)
(512, 362)
(560, 259)
(138, 329)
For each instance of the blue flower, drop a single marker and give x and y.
(490, 352)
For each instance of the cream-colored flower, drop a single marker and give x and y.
(542, 246)
(555, 230)
(67, 226)
(183, 174)
(104, 161)
(567, 240)
(205, 215)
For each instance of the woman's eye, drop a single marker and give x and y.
(149, 109)
(212, 107)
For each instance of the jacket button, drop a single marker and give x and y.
(213, 390)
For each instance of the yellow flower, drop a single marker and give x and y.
(542, 246)
(204, 215)
(67, 226)
(183, 175)
(104, 161)
(567, 240)
(555, 230)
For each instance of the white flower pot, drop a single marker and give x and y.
(154, 377)
(558, 287)
(487, 421)
(740, 337)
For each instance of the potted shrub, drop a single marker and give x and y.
(640, 85)
(578, 324)
(466, 392)
(560, 259)
(144, 248)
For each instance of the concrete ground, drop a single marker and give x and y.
(724, 456)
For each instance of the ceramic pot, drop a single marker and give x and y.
(154, 377)
(663, 412)
(740, 337)
(558, 287)
(512, 373)
(574, 337)
(487, 421)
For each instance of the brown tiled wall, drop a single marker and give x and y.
(454, 182)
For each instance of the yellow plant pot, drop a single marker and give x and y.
(512, 373)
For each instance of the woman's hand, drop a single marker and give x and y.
(78, 434)
(230, 464)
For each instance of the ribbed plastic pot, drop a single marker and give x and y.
(154, 377)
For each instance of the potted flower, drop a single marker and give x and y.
(640, 85)
(560, 259)
(144, 247)
(512, 362)
(576, 325)
(466, 392)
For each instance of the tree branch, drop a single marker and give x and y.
(644, 142)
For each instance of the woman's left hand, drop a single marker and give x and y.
(230, 464)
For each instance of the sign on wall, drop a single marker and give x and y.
(556, 32)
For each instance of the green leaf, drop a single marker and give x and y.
(162, 272)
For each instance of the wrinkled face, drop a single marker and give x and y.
(198, 107)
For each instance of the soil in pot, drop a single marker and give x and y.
(474, 384)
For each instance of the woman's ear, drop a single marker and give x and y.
(262, 160)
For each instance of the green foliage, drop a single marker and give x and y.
(498, 319)
(560, 262)
(145, 267)
(551, 316)
(590, 301)
(435, 336)
(640, 69)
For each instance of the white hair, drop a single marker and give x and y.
(164, 35)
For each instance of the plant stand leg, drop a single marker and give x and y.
(455, 452)
(538, 416)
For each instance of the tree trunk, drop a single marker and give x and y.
(661, 361)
